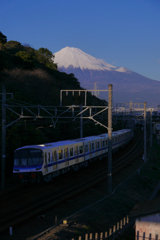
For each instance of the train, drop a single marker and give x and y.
(43, 162)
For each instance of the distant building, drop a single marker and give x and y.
(147, 219)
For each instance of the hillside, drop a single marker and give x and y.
(33, 78)
(32, 75)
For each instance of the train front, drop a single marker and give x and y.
(28, 164)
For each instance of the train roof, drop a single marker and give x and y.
(123, 131)
(73, 141)
(48, 145)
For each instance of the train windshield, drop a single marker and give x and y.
(28, 157)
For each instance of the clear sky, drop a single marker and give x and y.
(121, 32)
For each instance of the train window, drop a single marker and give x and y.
(71, 152)
(24, 161)
(16, 162)
(34, 156)
(97, 144)
(60, 154)
(49, 159)
(103, 143)
(86, 148)
(28, 157)
(81, 149)
(92, 146)
(20, 158)
(23, 157)
(106, 143)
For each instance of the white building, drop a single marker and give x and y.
(147, 219)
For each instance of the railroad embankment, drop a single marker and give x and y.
(135, 183)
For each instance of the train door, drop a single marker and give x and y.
(96, 147)
(76, 154)
(101, 147)
(81, 153)
(54, 159)
(66, 156)
(46, 165)
(103, 143)
(90, 150)
(107, 144)
(86, 151)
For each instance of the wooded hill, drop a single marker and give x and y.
(32, 76)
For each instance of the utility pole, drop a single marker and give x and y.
(3, 136)
(130, 106)
(96, 93)
(151, 127)
(109, 138)
(145, 132)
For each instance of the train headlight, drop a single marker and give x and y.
(33, 175)
(21, 176)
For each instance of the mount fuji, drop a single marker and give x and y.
(127, 85)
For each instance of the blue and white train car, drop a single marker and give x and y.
(45, 161)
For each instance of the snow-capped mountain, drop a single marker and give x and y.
(76, 58)
(127, 85)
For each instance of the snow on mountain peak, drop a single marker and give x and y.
(122, 69)
(76, 58)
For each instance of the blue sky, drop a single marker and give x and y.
(121, 32)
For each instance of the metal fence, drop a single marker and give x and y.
(144, 237)
(111, 234)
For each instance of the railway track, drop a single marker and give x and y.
(36, 207)
(129, 156)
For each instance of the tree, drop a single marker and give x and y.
(45, 52)
(3, 38)
(13, 44)
(24, 59)
(45, 57)
(27, 57)
(13, 47)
